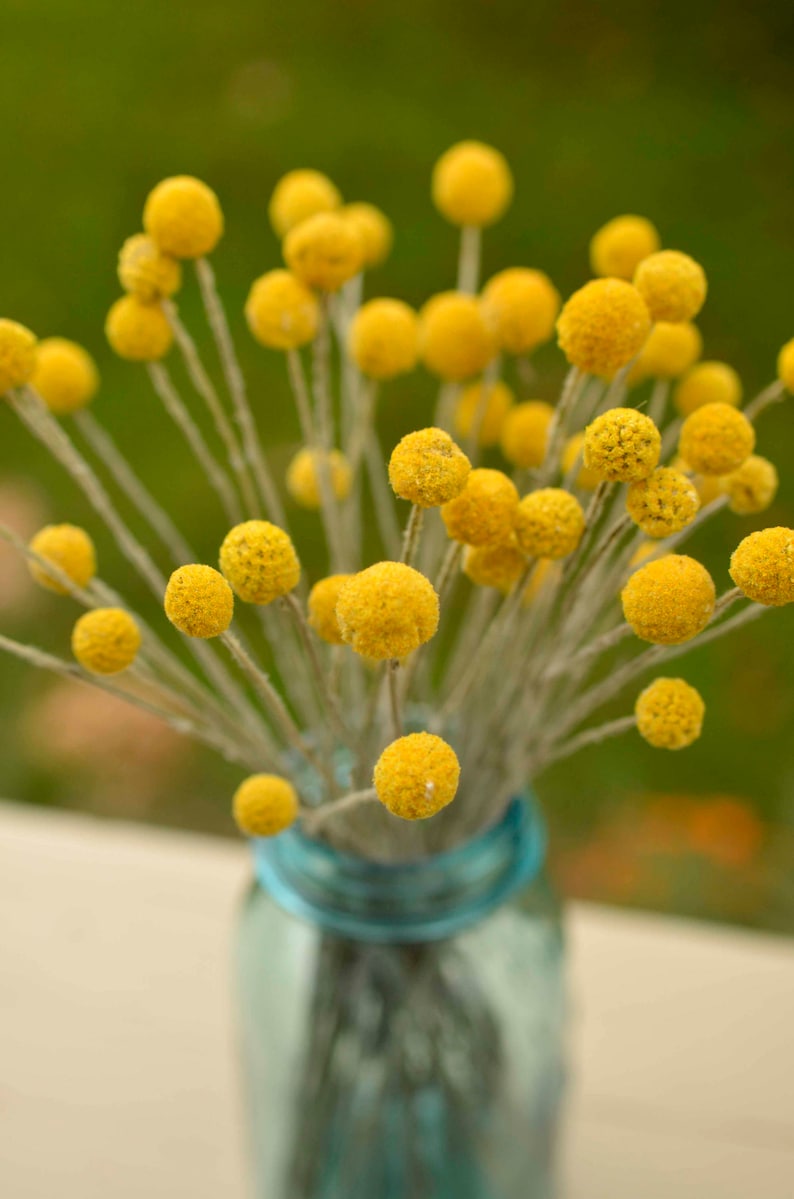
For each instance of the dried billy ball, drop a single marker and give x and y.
(184, 217)
(324, 251)
(384, 338)
(455, 340)
(265, 805)
(785, 365)
(481, 409)
(762, 565)
(105, 640)
(472, 184)
(671, 349)
(416, 776)
(282, 313)
(586, 479)
(299, 195)
(259, 561)
(387, 611)
(715, 439)
(322, 608)
(521, 306)
(138, 332)
(549, 523)
(145, 271)
(525, 433)
(374, 228)
(65, 375)
(427, 468)
(752, 487)
(708, 383)
(672, 284)
(199, 601)
(622, 446)
(17, 354)
(485, 510)
(669, 600)
(70, 549)
(618, 247)
(304, 476)
(669, 714)
(664, 503)
(603, 326)
(499, 566)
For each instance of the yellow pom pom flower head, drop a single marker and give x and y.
(487, 403)
(708, 383)
(427, 468)
(259, 561)
(70, 549)
(521, 306)
(455, 340)
(384, 338)
(525, 433)
(603, 326)
(145, 271)
(484, 512)
(716, 439)
(669, 600)
(65, 375)
(17, 354)
(106, 640)
(324, 251)
(299, 195)
(549, 523)
(374, 228)
(763, 566)
(672, 284)
(322, 608)
(619, 247)
(303, 476)
(664, 503)
(416, 776)
(264, 805)
(785, 365)
(752, 487)
(472, 184)
(669, 714)
(671, 349)
(138, 332)
(282, 313)
(586, 479)
(199, 601)
(622, 446)
(184, 217)
(387, 611)
(499, 566)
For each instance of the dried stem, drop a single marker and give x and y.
(469, 259)
(413, 531)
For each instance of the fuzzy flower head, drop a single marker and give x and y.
(416, 776)
(707, 383)
(622, 446)
(17, 354)
(384, 338)
(603, 326)
(455, 340)
(752, 487)
(785, 365)
(549, 523)
(106, 640)
(199, 601)
(672, 284)
(324, 251)
(664, 503)
(472, 184)
(282, 313)
(322, 608)
(65, 375)
(499, 566)
(70, 549)
(716, 439)
(485, 404)
(521, 306)
(265, 805)
(670, 600)
(573, 451)
(304, 482)
(299, 195)
(387, 611)
(138, 332)
(525, 433)
(145, 271)
(763, 566)
(669, 714)
(485, 510)
(427, 468)
(618, 248)
(259, 561)
(671, 349)
(184, 217)
(374, 228)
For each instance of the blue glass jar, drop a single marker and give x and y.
(402, 1025)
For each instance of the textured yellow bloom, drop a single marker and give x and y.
(17, 354)
(618, 248)
(322, 608)
(70, 549)
(716, 439)
(708, 383)
(387, 611)
(622, 446)
(303, 477)
(785, 365)
(324, 251)
(521, 306)
(486, 402)
(664, 503)
(472, 184)
(669, 714)
(763, 566)
(670, 350)
(184, 217)
(499, 566)
(65, 375)
(106, 640)
(525, 433)
(199, 601)
(282, 313)
(669, 600)
(586, 479)
(259, 561)
(672, 284)
(138, 332)
(384, 338)
(416, 776)
(428, 468)
(299, 195)
(455, 341)
(549, 523)
(264, 805)
(374, 228)
(752, 487)
(603, 325)
(146, 271)
(484, 512)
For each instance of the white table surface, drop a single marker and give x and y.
(117, 1068)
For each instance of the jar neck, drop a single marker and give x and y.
(404, 903)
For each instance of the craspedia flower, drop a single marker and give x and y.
(619, 247)
(199, 601)
(324, 251)
(145, 271)
(65, 375)
(525, 433)
(664, 503)
(752, 487)
(499, 566)
(484, 512)
(762, 565)
(138, 332)
(427, 468)
(387, 611)
(184, 217)
(586, 479)
(416, 776)
(106, 640)
(672, 284)
(282, 313)
(472, 184)
(299, 195)
(670, 350)
(70, 549)
(669, 600)
(17, 354)
(303, 476)
(603, 325)
(549, 523)
(669, 714)
(785, 365)
(707, 383)
(622, 446)
(384, 338)
(374, 228)
(715, 439)
(259, 560)
(322, 608)
(265, 805)
(521, 306)
(486, 402)
(455, 341)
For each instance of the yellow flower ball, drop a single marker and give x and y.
(259, 561)
(525, 433)
(664, 503)
(17, 354)
(322, 608)
(374, 228)
(427, 468)
(549, 523)
(472, 184)
(622, 446)
(708, 383)
(762, 565)
(70, 549)
(586, 479)
(672, 284)
(145, 271)
(199, 601)
(485, 510)
(303, 477)
(138, 332)
(65, 375)
(670, 350)
(603, 326)
(265, 805)
(384, 338)
(299, 195)
(485, 402)
(106, 640)
(416, 776)
(499, 566)
(669, 600)
(184, 217)
(282, 313)
(669, 714)
(455, 341)
(618, 248)
(521, 306)
(785, 365)
(387, 611)
(324, 251)
(752, 487)
(716, 439)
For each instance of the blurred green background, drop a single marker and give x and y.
(682, 112)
